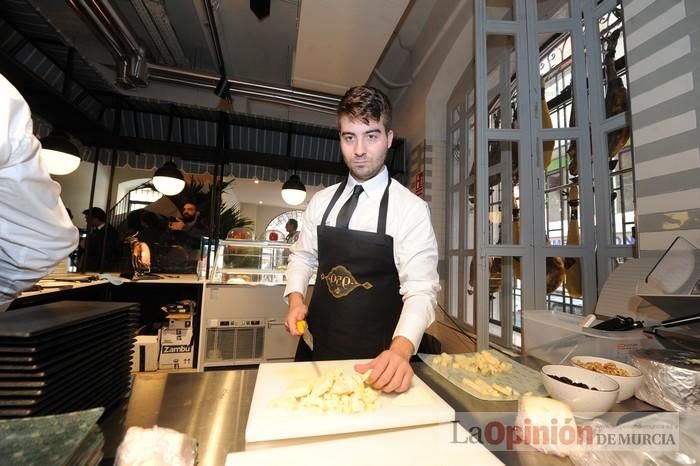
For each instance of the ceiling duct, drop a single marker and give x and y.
(133, 69)
(157, 23)
(295, 98)
(129, 55)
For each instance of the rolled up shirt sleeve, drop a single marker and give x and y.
(416, 256)
(303, 258)
(35, 230)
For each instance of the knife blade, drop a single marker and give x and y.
(303, 329)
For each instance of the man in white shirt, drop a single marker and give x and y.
(292, 232)
(35, 230)
(376, 253)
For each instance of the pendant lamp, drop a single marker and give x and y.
(168, 179)
(59, 154)
(293, 191)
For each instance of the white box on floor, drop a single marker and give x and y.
(175, 357)
(178, 336)
(145, 357)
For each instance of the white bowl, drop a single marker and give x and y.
(628, 384)
(584, 402)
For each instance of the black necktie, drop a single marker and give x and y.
(348, 208)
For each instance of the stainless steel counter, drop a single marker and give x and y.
(472, 411)
(213, 408)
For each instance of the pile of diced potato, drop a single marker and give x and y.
(482, 363)
(331, 392)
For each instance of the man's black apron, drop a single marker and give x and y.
(356, 303)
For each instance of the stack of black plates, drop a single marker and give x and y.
(65, 356)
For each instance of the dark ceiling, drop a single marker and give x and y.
(66, 79)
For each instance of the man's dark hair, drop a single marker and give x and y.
(366, 104)
(294, 222)
(97, 213)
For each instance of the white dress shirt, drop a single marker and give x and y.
(415, 247)
(35, 230)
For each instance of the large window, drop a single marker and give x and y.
(550, 196)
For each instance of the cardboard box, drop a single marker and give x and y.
(145, 356)
(182, 321)
(175, 357)
(177, 336)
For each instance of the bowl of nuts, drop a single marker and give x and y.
(628, 377)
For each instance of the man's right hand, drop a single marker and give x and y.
(176, 225)
(297, 311)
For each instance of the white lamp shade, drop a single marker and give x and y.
(168, 185)
(293, 191)
(293, 196)
(59, 163)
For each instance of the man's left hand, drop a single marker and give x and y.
(391, 371)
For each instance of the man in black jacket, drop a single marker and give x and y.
(96, 242)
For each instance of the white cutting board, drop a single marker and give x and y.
(419, 406)
(441, 444)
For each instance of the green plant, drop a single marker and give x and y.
(230, 218)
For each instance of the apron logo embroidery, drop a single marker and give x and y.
(341, 282)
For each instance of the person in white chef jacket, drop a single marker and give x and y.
(35, 230)
(374, 245)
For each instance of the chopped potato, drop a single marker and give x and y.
(483, 363)
(331, 392)
(493, 390)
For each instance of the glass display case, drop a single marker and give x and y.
(245, 261)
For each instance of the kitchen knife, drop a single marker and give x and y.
(303, 329)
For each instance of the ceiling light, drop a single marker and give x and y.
(168, 179)
(259, 202)
(293, 191)
(60, 155)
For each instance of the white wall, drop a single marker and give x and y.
(75, 190)
(663, 50)
(443, 51)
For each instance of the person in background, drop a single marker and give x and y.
(292, 232)
(35, 230)
(74, 256)
(187, 230)
(96, 221)
(150, 228)
(376, 252)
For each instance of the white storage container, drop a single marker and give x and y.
(555, 337)
(145, 356)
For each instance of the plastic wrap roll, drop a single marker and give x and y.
(671, 378)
